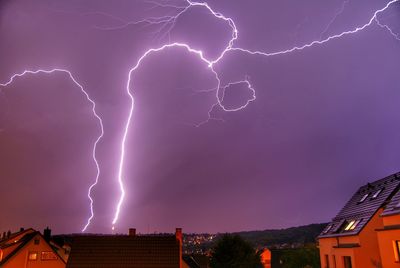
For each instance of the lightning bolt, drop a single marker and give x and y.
(166, 24)
(386, 27)
(337, 14)
(69, 74)
(171, 20)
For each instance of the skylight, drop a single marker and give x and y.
(328, 228)
(363, 198)
(351, 225)
(377, 193)
(355, 224)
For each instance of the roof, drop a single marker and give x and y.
(362, 206)
(16, 241)
(13, 243)
(196, 260)
(124, 251)
(393, 207)
(15, 236)
(190, 261)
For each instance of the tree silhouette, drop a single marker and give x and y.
(232, 251)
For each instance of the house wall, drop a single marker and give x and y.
(391, 220)
(387, 239)
(387, 249)
(266, 258)
(365, 256)
(20, 259)
(327, 247)
(369, 256)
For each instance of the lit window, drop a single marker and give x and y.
(355, 224)
(363, 198)
(349, 225)
(377, 193)
(48, 255)
(32, 256)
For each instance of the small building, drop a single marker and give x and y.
(366, 231)
(266, 258)
(127, 251)
(28, 248)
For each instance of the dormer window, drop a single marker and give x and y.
(376, 194)
(363, 198)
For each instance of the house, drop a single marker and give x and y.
(127, 251)
(389, 235)
(363, 234)
(28, 248)
(266, 258)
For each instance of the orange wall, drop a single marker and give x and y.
(326, 247)
(391, 220)
(386, 239)
(369, 242)
(266, 258)
(20, 260)
(363, 256)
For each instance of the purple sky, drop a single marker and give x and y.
(325, 120)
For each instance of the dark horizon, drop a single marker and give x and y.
(322, 123)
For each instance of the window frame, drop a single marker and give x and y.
(396, 250)
(327, 261)
(349, 262)
(48, 253)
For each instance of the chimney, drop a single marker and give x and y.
(8, 234)
(132, 232)
(21, 229)
(178, 236)
(47, 234)
(4, 235)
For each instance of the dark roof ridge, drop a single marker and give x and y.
(392, 177)
(16, 234)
